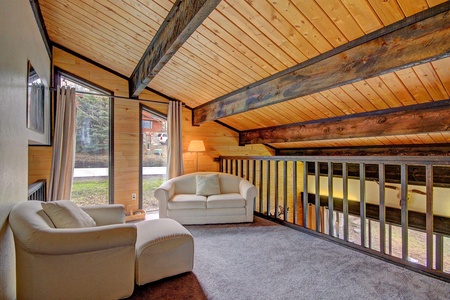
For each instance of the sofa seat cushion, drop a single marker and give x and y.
(229, 200)
(187, 201)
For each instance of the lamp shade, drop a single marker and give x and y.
(196, 146)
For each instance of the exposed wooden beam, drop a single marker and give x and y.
(417, 39)
(414, 119)
(182, 20)
(388, 150)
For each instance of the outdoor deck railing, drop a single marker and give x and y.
(394, 207)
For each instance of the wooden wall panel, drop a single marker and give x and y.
(39, 163)
(219, 141)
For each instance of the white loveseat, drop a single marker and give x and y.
(179, 200)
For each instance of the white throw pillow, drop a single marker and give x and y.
(66, 214)
(207, 184)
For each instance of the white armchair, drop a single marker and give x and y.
(73, 263)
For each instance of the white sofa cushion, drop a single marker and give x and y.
(187, 201)
(66, 214)
(207, 184)
(225, 201)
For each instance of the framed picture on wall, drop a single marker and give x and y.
(35, 101)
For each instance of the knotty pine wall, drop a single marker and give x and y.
(218, 139)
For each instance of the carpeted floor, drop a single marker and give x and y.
(264, 260)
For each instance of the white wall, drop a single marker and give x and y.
(20, 41)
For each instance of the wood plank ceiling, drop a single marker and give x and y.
(242, 42)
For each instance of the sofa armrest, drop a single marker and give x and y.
(164, 193)
(247, 190)
(106, 214)
(62, 241)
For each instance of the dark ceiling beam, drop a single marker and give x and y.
(383, 150)
(182, 20)
(414, 40)
(414, 119)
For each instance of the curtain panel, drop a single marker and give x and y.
(63, 160)
(175, 165)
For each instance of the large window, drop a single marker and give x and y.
(153, 156)
(92, 180)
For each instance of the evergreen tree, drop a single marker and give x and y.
(92, 124)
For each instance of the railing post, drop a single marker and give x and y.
(382, 207)
(317, 202)
(275, 171)
(268, 186)
(261, 186)
(429, 215)
(362, 202)
(285, 190)
(345, 199)
(305, 194)
(294, 189)
(247, 170)
(404, 213)
(253, 171)
(330, 199)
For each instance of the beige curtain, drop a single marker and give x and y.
(175, 165)
(63, 145)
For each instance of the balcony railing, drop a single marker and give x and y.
(38, 190)
(397, 208)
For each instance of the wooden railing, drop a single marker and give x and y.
(38, 190)
(360, 201)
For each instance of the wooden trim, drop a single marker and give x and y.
(182, 20)
(414, 40)
(420, 118)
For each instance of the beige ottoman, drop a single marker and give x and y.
(163, 248)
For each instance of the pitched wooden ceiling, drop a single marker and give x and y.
(242, 42)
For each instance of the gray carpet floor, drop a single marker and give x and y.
(264, 260)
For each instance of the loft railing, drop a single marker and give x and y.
(394, 207)
(38, 190)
